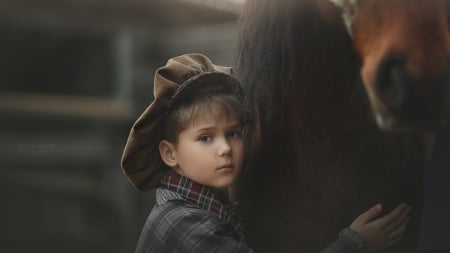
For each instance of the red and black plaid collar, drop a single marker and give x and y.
(215, 201)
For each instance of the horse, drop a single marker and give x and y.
(344, 94)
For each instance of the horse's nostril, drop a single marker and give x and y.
(393, 82)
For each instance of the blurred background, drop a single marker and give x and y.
(74, 75)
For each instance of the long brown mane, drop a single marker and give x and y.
(320, 160)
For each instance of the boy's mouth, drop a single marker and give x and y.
(227, 166)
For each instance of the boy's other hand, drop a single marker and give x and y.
(382, 232)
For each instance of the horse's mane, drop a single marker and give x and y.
(282, 47)
(280, 44)
(262, 58)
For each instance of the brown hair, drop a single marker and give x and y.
(199, 98)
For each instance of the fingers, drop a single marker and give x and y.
(384, 231)
(404, 218)
(398, 233)
(368, 215)
(393, 217)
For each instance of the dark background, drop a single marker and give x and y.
(436, 217)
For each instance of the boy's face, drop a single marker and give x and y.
(210, 151)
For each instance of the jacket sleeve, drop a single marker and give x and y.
(348, 242)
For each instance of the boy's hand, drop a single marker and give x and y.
(384, 231)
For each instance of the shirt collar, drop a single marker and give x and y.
(215, 201)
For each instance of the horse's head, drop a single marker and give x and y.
(405, 50)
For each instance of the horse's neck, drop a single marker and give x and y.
(326, 89)
(330, 103)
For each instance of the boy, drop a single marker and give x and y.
(189, 144)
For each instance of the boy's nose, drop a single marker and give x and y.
(224, 148)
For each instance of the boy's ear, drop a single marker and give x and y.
(167, 153)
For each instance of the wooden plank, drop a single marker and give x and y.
(111, 14)
(84, 106)
(232, 6)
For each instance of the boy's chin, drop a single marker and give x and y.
(224, 183)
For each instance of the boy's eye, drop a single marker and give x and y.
(234, 134)
(205, 138)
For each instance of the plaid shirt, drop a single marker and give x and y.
(189, 217)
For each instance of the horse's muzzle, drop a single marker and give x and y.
(408, 103)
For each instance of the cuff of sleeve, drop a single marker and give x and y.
(353, 239)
